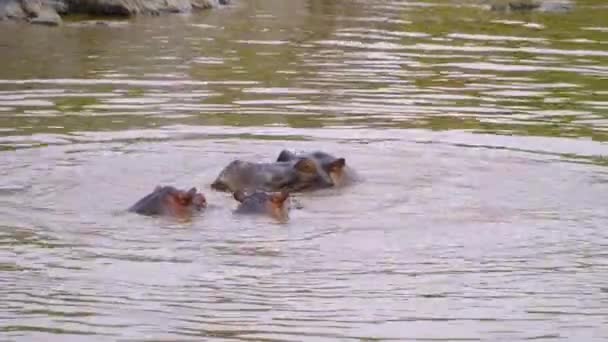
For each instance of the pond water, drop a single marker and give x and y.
(480, 138)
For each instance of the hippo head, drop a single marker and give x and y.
(296, 175)
(309, 175)
(167, 200)
(192, 198)
(335, 170)
(330, 167)
(230, 179)
(181, 203)
(259, 202)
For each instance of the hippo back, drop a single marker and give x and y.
(153, 203)
(292, 175)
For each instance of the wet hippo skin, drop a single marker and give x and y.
(293, 175)
(169, 201)
(263, 203)
(334, 168)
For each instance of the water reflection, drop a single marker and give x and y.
(480, 137)
(356, 65)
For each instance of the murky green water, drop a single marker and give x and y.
(481, 138)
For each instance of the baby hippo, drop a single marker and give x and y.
(333, 168)
(258, 202)
(293, 175)
(169, 201)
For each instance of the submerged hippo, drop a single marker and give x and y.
(293, 175)
(258, 202)
(169, 201)
(332, 167)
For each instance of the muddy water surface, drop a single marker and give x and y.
(480, 138)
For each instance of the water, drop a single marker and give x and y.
(481, 138)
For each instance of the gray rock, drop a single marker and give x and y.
(46, 15)
(135, 7)
(203, 4)
(31, 7)
(99, 23)
(11, 9)
(60, 6)
(551, 6)
(40, 12)
(177, 6)
(46, 12)
(103, 7)
(34, 11)
(556, 6)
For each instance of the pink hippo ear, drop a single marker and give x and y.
(279, 197)
(337, 164)
(306, 165)
(239, 196)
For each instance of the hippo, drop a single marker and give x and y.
(263, 203)
(293, 175)
(169, 201)
(332, 167)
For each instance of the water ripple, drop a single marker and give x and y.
(480, 139)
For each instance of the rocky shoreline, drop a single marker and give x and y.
(49, 12)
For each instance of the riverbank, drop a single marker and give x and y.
(49, 12)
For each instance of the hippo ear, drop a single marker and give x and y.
(337, 164)
(306, 165)
(157, 188)
(239, 196)
(286, 156)
(192, 192)
(279, 197)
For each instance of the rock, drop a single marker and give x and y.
(202, 4)
(134, 7)
(556, 6)
(34, 11)
(99, 23)
(31, 7)
(60, 6)
(103, 7)
(40, 12)
(46, 12)
(46, 15)
(514, 5)
(11, 9)
(551, 6)
(206, 4)
(176, 6)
